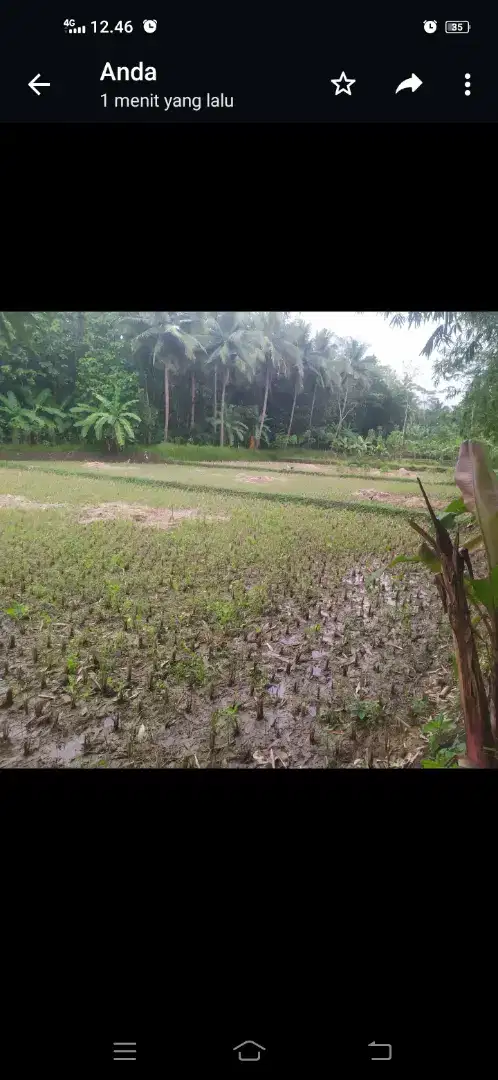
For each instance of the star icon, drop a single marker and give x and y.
(343, 84)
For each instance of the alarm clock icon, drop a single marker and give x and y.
(430, 27)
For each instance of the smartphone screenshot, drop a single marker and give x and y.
(245, 555)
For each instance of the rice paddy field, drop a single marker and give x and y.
(216, 616)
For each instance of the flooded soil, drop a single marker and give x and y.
(335, 688)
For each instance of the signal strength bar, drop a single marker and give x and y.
(124, 1051)
(77, 30)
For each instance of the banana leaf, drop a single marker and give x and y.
(479, 486)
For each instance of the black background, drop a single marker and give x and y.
(276, 63)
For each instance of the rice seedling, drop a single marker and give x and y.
(176, 622)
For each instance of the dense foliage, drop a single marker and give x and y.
(238, 378)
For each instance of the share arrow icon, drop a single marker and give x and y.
(412, 84)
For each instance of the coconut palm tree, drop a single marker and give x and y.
(167, 334)
(318, 358)
(351, 371)
(301, 338)
(277, 349)
(230, 345)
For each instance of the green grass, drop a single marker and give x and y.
(282, 487)
(46, 557)
(170, 452)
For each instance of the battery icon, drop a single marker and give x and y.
(462, 27)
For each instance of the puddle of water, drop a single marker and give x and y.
(277, 690)
(67, 751)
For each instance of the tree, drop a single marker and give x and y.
(111, 421)
(351, 371)
(318, 357)
(230, 345)
(301, 333)
(409, 386)
(16, 327)
(170, 343)
(461, 335)
(277, 350)
(179, 365)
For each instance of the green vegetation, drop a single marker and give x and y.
(274, 486)
(444, 743)
(469, 524)
(246, 379)
(111, 421)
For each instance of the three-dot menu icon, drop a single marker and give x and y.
(124, 1051)
(467, 84)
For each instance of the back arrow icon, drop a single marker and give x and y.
(34, 84)
(412, 84)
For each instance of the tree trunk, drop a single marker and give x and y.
(404, 425)
(80, 319)
(222, 409)
(215, 412)
(313, 404)
(192, 410)
(292, 412)
(263, 410)
(342, 412)
(166, 402)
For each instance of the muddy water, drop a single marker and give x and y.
(66, 752)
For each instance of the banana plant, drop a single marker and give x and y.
(462, 593)
(110, 420)
(17, 417)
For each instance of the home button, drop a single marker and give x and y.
(249, 1051)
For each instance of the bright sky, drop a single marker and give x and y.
(391, 346)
